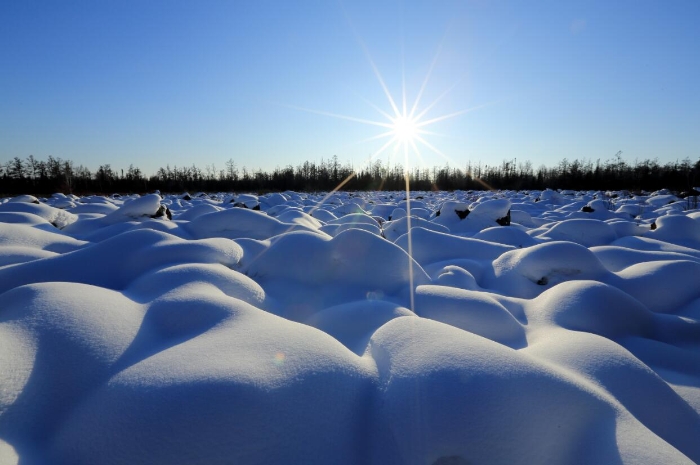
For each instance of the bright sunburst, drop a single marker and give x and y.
(405, 130)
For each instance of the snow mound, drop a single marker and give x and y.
(237, 223)
(677, 229)
(313, 272)
(57, 217)
(471, 311)
(588, 233)
(528, 272)
(592, 307)
(460, 219)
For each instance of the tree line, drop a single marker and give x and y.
(44, 177)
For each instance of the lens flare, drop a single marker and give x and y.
(279, 358)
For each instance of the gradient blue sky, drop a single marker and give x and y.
(158, 82)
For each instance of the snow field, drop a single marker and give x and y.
(350, 328)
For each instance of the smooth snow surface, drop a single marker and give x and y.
(350, 328)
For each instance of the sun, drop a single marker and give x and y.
(405, 129)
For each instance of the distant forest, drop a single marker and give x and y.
(44, 177)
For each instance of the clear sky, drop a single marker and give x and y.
(199, 82)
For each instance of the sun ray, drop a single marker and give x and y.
(429, 74)
(438, 99)
(378, 136)
(327, 196)
(349, 177)
(484, 183)
(383, 148)
(434, 149)
(452, 115)
(381, 81)
(403, 68)
(442, 118)
(336, 115)
(423, 132)
(364, 48)
(411, 279)
(382, 112)
(416, 150)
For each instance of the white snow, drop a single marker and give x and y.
(352, 328)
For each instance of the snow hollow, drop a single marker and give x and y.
(350, 328)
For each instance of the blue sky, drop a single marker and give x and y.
(181, 83)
